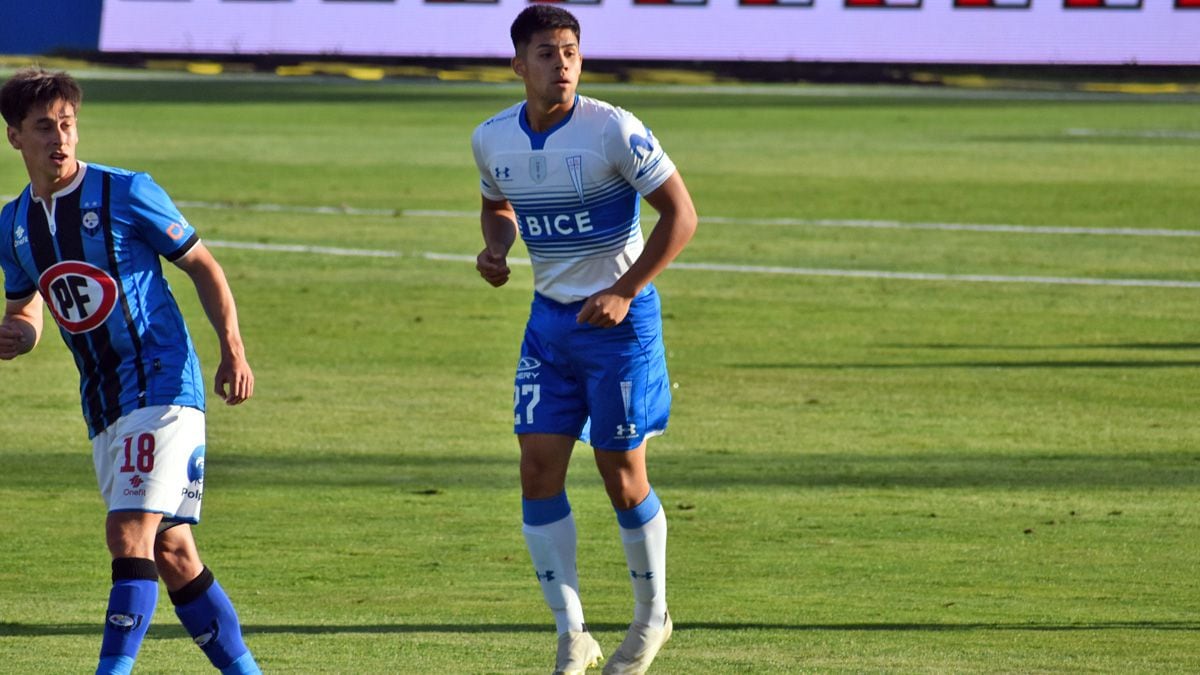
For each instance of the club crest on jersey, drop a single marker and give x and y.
(91, 220)
(575, 167)
(79, 295)
(537, 168)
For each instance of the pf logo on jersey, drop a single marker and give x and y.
(80, 296)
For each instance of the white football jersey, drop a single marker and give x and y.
(575, 189)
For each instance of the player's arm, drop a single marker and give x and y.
(21, 327)
(676, 224)
(234, 381)
(499, 223)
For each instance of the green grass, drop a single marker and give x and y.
(862, 475)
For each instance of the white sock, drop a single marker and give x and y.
(646, 553)
(552, 549)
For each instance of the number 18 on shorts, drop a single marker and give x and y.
(152, 460)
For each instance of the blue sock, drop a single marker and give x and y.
(130, 607)
(208, 615)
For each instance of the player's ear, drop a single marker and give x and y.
(12, 138)
(518, 66)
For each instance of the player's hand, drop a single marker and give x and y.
(604, 309)
(12, 342)
(234, 381)
(492, 267)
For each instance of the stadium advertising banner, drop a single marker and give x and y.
(1148, 32)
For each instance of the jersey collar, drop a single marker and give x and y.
(537, 140)
(71, 187)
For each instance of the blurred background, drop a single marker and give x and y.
(831, 40)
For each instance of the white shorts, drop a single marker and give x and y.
(152, 460)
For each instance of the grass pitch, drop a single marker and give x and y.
(863, 473)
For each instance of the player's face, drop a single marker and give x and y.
(550, 65)
(47, 138)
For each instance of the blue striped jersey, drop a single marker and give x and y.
(575, 189)
(92, 253)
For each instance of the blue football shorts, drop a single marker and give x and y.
(604, 386)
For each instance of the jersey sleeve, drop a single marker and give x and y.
(17, 284)
(487, 186)
(158, 220)
(636, 153)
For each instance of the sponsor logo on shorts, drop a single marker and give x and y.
(189, 493)
(626, 431)
(196, 465)
(137, 490)
(527, 367)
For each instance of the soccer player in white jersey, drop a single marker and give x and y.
(565, 172)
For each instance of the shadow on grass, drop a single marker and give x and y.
(1166, 346)
(1004, 363)
(1084, 363)
(172, 632)
(442, 478)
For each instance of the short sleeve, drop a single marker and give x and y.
(17, 284)
(158, 220)
(487, 186)
(631, 147)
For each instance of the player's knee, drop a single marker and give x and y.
(625, 489)
(176, 561)
(129, 535)
(540, 478)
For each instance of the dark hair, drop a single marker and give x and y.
(539, 17)
(29, 87)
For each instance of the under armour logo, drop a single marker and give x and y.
(647, 576)
(502, 173)
(627, 430)
(548, 576)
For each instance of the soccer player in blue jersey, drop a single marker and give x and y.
(84, 240)
(566, 173)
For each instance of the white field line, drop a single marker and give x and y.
(1134, 133)
(741, 269)
(712, 267)
(722, 220)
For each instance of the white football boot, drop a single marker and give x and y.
(576, 653)
(637, 652)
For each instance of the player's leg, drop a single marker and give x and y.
(134, 592)
(549, 530)
(629, 400)
(643, 526)
(201, 604)
(550, 412)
